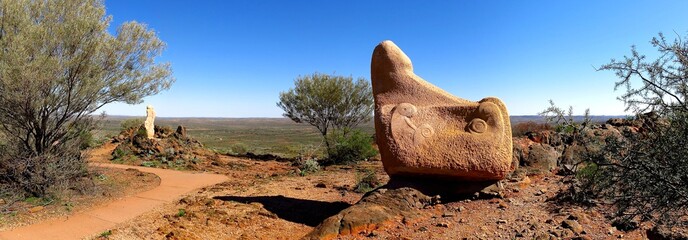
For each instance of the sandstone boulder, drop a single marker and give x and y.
(423, 131)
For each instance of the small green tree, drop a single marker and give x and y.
(58, 65)
(328, 102)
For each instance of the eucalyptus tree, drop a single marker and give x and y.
(328, 102)
(59, 64)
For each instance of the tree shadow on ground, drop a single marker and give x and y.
(304, 211)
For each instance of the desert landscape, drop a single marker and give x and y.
(101, 139)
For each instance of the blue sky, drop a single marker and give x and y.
(232, 58)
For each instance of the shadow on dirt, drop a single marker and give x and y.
(308, 212)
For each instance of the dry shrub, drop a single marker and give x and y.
(520, 129)
(23, 175)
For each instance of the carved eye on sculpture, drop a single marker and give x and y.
(477, 125)
(406, 109)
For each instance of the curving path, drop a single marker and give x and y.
(173, 184)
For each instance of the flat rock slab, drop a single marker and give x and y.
(173, 184)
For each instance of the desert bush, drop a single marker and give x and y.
(644, 175)
(239, 148)
(520, 129)
(328, 102)
(50, 86)
(351, 147)
(131, 123)
(366, 181)
(41, 175)
(308, 166)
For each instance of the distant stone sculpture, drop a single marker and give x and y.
(150, 122)
(424, 131)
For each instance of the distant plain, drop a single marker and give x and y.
(278, 136)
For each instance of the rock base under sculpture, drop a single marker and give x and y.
(401, 200)
(375, 210)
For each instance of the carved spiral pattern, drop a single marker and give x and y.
(477, 125)
(426, 131)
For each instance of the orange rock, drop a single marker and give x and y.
(424, 131)
(36, 209)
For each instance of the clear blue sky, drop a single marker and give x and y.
(232, 58)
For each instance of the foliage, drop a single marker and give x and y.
(351, 147)
(105, 234)
(181, 212)
(308, 166)
(131, 123)
(239, 148)
(36, 175)
(58, 65)
(520, 129)
(328, 102)
(645, 174)
(366, 181)
(663, 81)
(563, 120)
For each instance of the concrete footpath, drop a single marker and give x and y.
(173, 184)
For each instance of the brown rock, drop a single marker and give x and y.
(36, 209)
(424, 131)
(374, 211)
(541, 159)
(573, 225)
(181, 130)
(666, 233)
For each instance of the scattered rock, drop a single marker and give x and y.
(612, 230)
(448, 214)
(535, 158)
(181, 130)
(36, 209)
(321, 185)
(463, 220)
(442, 224)
(2, 201)
(502, 221)
(545, 236)
(625, 225)
(573, 225)
(580, 217)
(665, 233)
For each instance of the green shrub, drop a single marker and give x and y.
(142, 133)
(520, 129)
(181, 212)
(309, 166)
(120, 153)
(239, 148)
(131, 123)
(150, 163)
(366, 181)
(351, 147)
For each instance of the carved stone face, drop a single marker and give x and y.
(423, 131)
